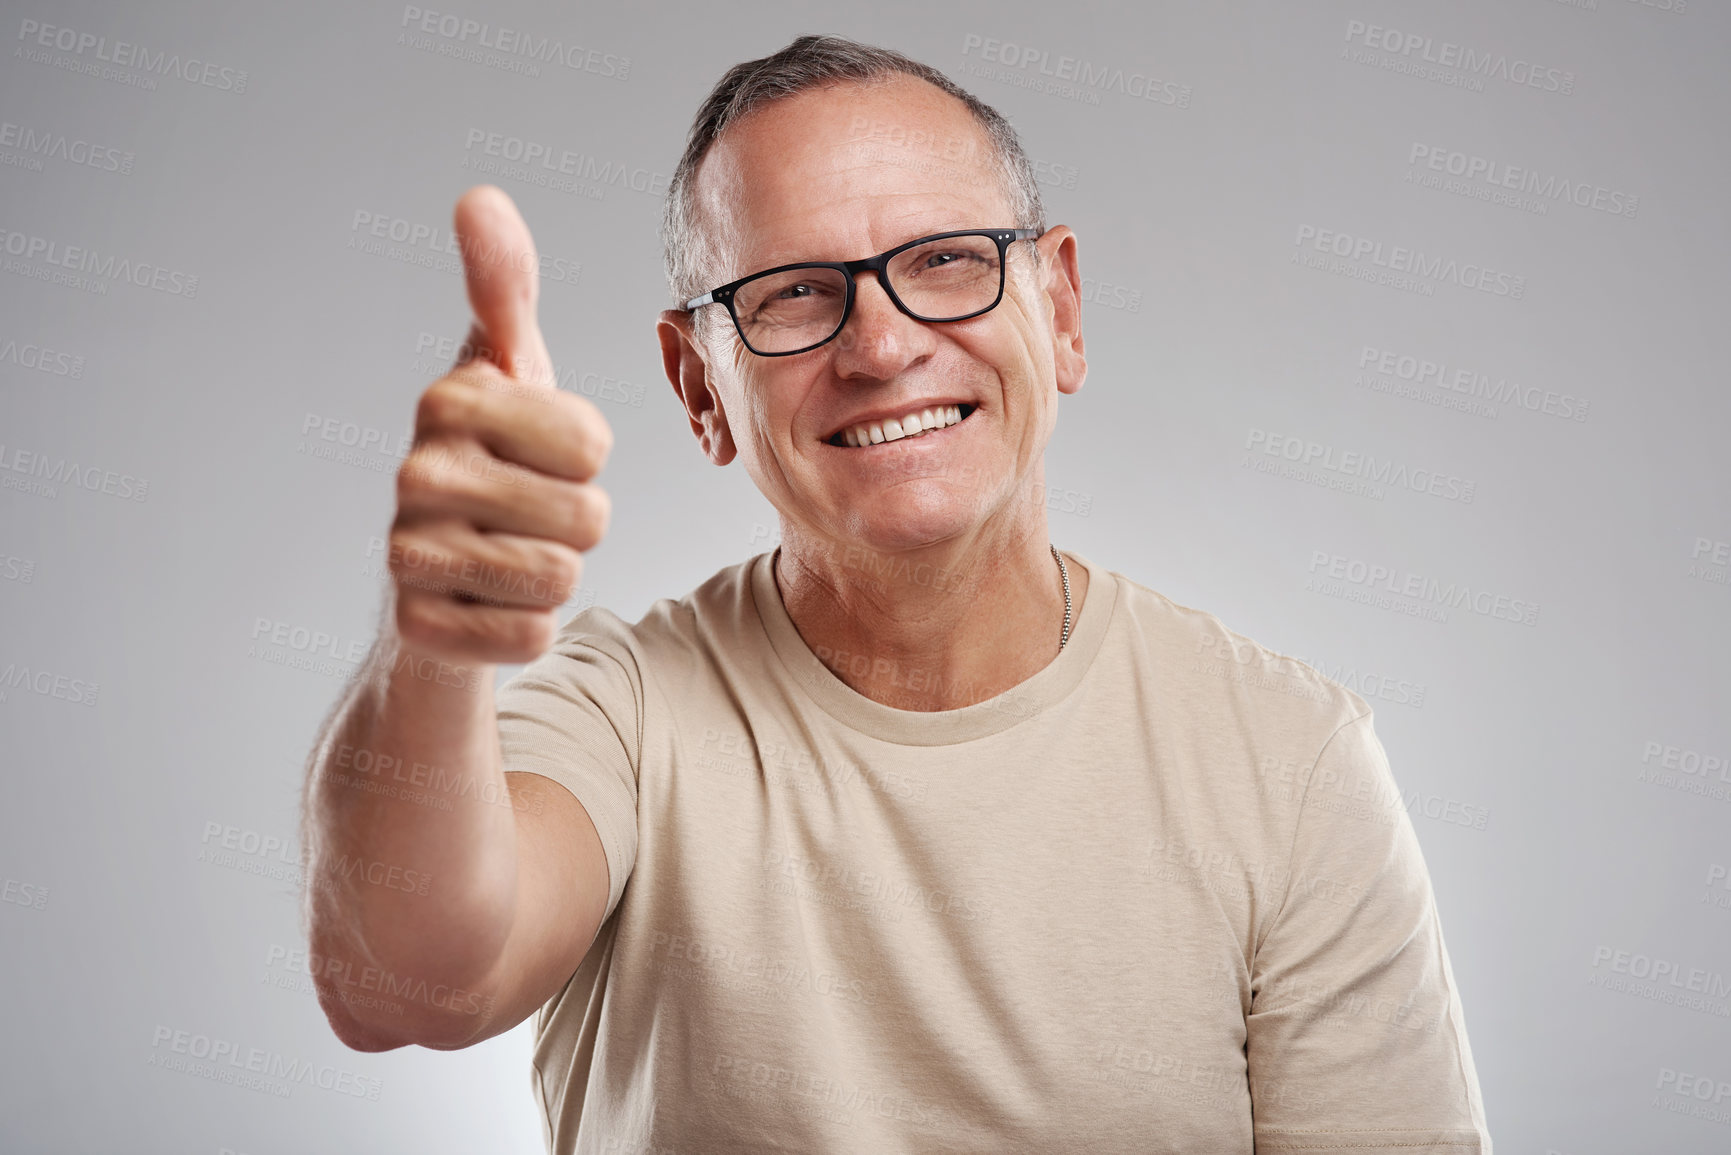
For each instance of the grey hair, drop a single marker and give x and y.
(810, 62)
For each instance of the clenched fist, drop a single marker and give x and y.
(496, 500)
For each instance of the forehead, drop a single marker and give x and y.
(846, 171)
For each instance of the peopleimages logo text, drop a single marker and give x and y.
(1084, 74)
(106, 266)
(1502, 175)
(1400, 259)
(123, 54)
(515, 42)
(1448, 54)
(36, 144)
(1421, 588)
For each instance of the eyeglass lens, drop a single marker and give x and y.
(941, 280)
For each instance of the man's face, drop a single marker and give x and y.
(838, 174)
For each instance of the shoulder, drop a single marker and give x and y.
(1208, 662)
(720, 611)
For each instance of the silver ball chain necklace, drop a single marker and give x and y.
(1065, 574)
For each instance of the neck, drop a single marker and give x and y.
(936, 627)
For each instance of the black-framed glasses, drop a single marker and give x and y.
(795, 308)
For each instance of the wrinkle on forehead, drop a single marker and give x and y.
(842, 173)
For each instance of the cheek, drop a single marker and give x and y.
(1019, 333)
(762, 414)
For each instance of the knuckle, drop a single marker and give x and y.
(507, 474)
(448, 403)
(414, 566)
(416, 623)
(603, 434)
(564, 569)
(437, 473)
(604, 510)
(434, 406)
(586, 516)
(419, 477)
(536, 634)
(401, 556)
(592, 434)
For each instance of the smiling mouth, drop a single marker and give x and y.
(920, 423)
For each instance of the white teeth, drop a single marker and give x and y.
(893, 429)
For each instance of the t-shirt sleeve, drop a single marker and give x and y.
(1356, 1041)
(575, 715)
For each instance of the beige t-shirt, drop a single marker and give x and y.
(1161, 896)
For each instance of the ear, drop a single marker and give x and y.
(686, 363)
(1064, 291)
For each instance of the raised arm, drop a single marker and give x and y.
(446, 900)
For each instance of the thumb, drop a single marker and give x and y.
(503, 277)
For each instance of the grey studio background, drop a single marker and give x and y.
(1406, 338)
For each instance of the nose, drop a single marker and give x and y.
(878, 340)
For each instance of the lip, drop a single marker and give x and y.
(898, 412)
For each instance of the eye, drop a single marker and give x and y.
(794, 291)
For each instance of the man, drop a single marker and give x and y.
(914, 833)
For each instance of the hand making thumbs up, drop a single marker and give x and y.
(495, 501)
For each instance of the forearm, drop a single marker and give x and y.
(410, 841)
